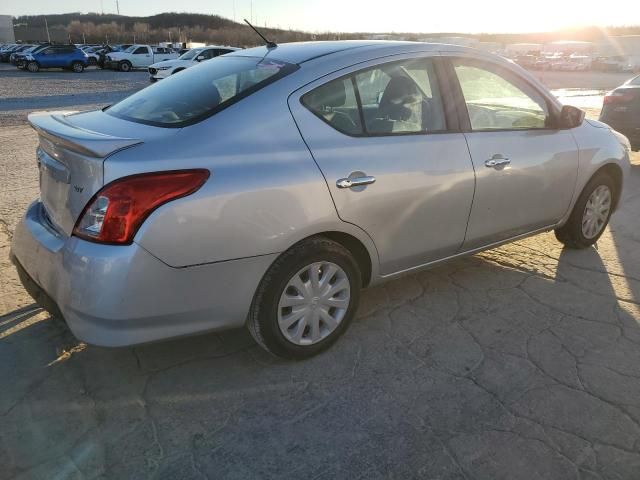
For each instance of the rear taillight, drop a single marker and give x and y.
(115, 213)
(618, 97)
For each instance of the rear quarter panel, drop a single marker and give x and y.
(265, 192)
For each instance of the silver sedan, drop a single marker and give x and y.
(266, 187)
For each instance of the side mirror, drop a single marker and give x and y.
(570, 117)
(200, 58)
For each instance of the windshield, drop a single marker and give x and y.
(190, 54)
(130, 49)
(200, 92)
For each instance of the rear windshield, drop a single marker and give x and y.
(200, 91)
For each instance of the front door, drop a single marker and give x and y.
(383, 142)
(142, 57)
(526, 169)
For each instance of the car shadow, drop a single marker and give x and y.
(511, 341)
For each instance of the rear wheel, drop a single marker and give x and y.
(306, 300)
(125, 66)
(590, 214)
(77, 67)
(33, 67)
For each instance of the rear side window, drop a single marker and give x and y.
(201, 91)
(393, 98)
(335, 103)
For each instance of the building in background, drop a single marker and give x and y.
(513, 49)
(625, 48)
(569, 47)
(6, 29)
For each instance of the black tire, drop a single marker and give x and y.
(125, 66)
(33, 67)
(263, 316)
(77, 67)
(570, 234)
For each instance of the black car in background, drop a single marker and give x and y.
(621, 111)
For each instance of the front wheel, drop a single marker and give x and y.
(33, 67)
(125, 66)
(77, 67)
(590, 214)
(306, 300)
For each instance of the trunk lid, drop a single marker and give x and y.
(70, 162)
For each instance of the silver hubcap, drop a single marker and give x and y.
(596, 212)
(313, 303)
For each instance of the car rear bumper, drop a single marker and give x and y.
(122, 295)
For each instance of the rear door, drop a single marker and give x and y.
(392, 157)
(526, 169)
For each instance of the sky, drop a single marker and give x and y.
(472, 16)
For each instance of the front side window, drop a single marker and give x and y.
(498, 100)
(190, 54)
(208, 54)
(141, 51)
(393, 98)
(199, 92)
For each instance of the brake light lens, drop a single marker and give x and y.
(116, 212)
(618, 97)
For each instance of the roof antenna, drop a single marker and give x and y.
(269, 43)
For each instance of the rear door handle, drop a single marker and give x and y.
(355, 182)
(497, 161)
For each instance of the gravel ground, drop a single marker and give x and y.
(22, 92)
(518, 363)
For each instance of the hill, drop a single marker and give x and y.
(181, 27)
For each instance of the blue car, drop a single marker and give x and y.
(57, 56)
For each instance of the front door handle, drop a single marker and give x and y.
(497, 161)
(355, 181)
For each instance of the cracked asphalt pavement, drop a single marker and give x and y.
(518, 363)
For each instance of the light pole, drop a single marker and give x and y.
(46, 25)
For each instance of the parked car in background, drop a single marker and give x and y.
(68, 57)
(92, 53)
(192, 57)
(621, 110)
(138, 56)
(23, 49)
(633, 81)
(260, 188)
(6, 53)
(102, 53)
(17, 59)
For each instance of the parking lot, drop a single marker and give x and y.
(518, 363)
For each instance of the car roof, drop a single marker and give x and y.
(300, 52)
